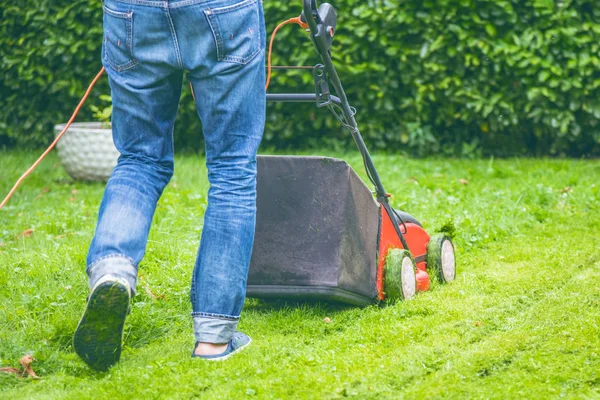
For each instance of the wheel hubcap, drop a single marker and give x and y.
(408, 278)
(448, 261)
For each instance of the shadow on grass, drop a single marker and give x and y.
(267, 306)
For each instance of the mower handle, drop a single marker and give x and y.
(310, 13)
(310, 5)
(322, 24)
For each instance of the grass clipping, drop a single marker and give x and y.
(449, 229)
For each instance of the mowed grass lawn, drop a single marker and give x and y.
(522, 319)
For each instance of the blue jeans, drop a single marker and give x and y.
(147, 47)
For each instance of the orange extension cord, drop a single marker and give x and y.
(296, 20)
(49, 149)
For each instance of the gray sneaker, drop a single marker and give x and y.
(237, 343)
(99, 335)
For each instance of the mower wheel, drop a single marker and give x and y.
(400, 282)
(440, 257)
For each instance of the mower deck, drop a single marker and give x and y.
(316, 231)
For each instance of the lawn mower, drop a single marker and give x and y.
(321, 233)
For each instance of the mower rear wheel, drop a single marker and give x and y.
(441, 258)
(400, 282)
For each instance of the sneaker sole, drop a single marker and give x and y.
(238, 350)
(99, 335)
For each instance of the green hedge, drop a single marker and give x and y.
(457, 77)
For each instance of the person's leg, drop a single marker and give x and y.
(228, 77)
(142, 124)
(142, 67)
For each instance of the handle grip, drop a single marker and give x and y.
(310, 6)
(322, 22)
(310, 13)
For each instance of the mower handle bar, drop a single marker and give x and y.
(313, 19)
(310, 13)
(298, 98)
(310, 6)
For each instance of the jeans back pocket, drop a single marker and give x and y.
(117, 45)
(236, 29)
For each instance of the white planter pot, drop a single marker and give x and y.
(87, 150)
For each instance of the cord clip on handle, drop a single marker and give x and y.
(322, 26)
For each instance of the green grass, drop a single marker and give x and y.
(522, 320)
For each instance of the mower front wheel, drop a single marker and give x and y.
(400, 282)
(441, 258)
